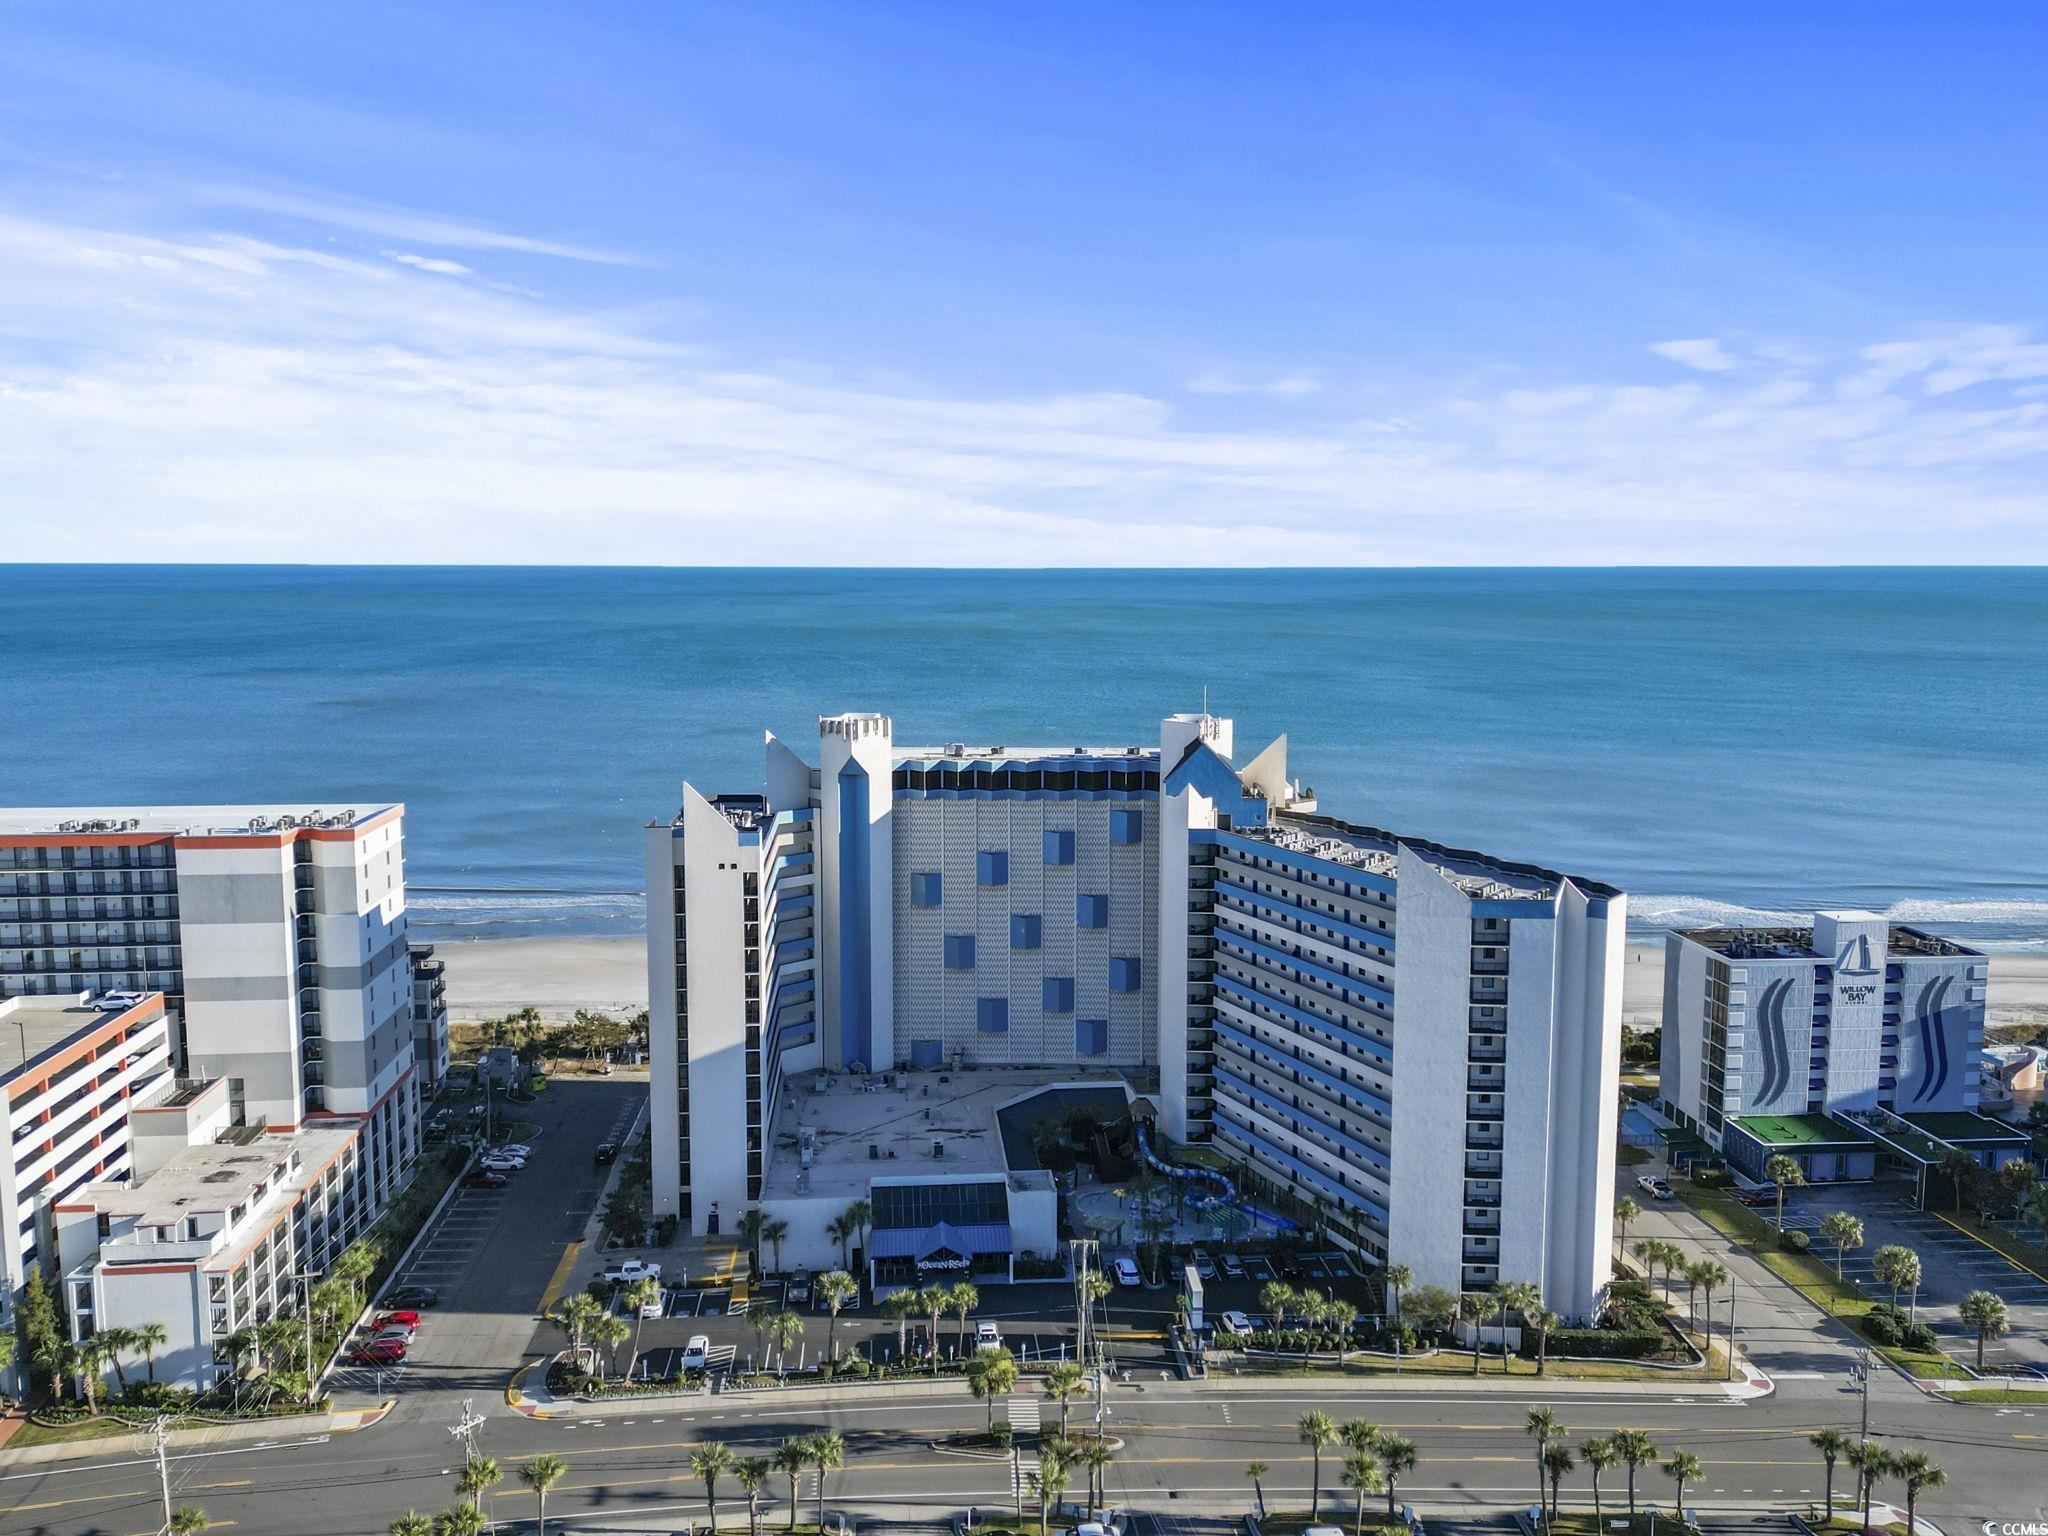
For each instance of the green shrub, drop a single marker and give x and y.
(1792, 1240)
(1921, 1340)
(1607, 1343)
(1882, 1327)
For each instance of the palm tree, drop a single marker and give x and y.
(1542, 1426)
(1649, 1253)
(1512, 1296)
(1276, 1300)
(1626, 1214)
(1397, 1459)
(1917, 1470)
(711, 1461)
(541, 1474)
(1474, 1307)
(860, 1216)
(1053, 1468)
(752, 1473)
(1711, 1276)
(840, 1231)
(413, 1523)
(1782, 1170)
(1871, 1461)
(1684, 1467)
(81, 1363)
(1832, 1445)
(836, 1288)
(772, 1233)
(607, 1334)
(1063, 1381)
(785, 1328)
(1599, 1456)
(962, 1297)
(1543, 1320)
(1843, 1230)
(188, 1520)
(901, 1306)
(1316, 1430)
(1257, 1473)
(827, 1454)
(149, 1338)
(1362, 1474)
(1558, 1462)
(638, 1295)
(1398, 1278)
(575, 1316)
(480, 1474)
(792, 1456)
(1359, 1434)
(935, 1302)
(1985, 1315)
(749, 1229)
(1897, 1268)
(1956, 1166)
(990, 1375)
(1096, 1457)
(460, 1520)
(1637, 1449)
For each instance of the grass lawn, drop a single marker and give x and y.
(1854, 1522)
(2005, 1397)
(33, 1434)
(1810, 1274)
(1455, 1363)
(1579, 1522)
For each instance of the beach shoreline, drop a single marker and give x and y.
(491, 977)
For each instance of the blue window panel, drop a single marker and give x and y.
(992, 867)
(1091, 1037)
(959, 951)
(1024, 930)
(925, 888)
(992, 1015)
(1059, 994)
(1091, 911)
(926, 1054)
(1059, 847)
(1123, 973)
(1127, 826)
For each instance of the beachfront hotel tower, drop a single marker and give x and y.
(276, 934)
(1413, 1047)
(1844, 1043)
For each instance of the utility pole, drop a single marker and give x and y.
(1862, 1373)
(161, 1440)
(1731, 1327)
(305, 1279)
(1083, 1249)
(465, 1428)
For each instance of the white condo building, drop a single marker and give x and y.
(277, 935)
(1416, 1046)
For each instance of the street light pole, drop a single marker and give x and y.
(1731, 1327)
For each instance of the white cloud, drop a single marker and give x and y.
(400, 223)
(427, 263)
(1704, 353)
(1286, 386)
(221, 397)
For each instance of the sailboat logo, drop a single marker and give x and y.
(1854, 959)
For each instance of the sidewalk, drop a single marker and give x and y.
(299, 1429)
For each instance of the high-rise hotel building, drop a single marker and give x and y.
(276, 934)
(1415, 1045)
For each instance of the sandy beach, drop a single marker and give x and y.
(488, 977)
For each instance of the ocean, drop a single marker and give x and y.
(1722, 743)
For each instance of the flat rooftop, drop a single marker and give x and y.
(1377, 852)
(860, 1132)
(1796, 943)
(182, 820)
(33, 1026)
(1798, 1131)
(219, 1175)
(1960, 1128)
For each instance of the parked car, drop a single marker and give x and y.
(654, 1306)
(1233, 1266)
(378, 1352)
(413, 1296)
(697, 1353)
(1238, 1322)
(987, 1335)
(1205, 1266)
(1654, 1187)
(1126, 1272)
(1757, 1196)
(626, 1271)
(499, 1163)
(518, 1149)
(607, 1154)
(1288, 1265)
(800, 1287)
(118, 1002)
(407, 1319)
(485, 1180)
(393, 1335)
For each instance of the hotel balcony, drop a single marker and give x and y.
(1483, 1141)
(1489, 989)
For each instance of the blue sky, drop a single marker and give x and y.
(994, 284)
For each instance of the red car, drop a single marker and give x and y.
(398, 1320)
(486, 1181)
(379, 1352)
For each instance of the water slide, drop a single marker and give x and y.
(1221, 1192)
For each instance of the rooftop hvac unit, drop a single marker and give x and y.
(956, 749)
(938, 1147)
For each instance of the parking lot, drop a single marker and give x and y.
(1036, 1320)
(1952, 1263)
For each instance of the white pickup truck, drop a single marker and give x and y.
(626, 1271)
